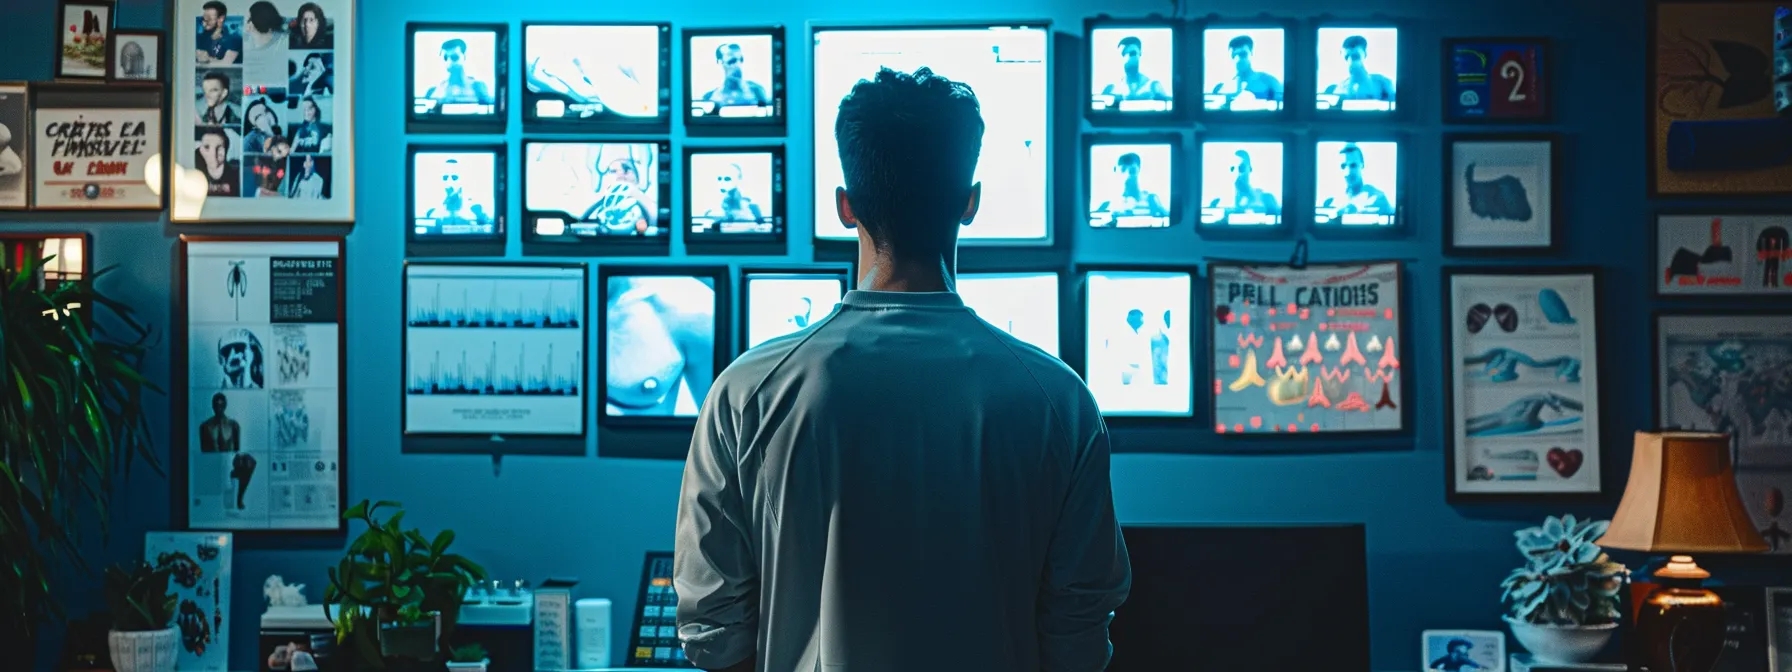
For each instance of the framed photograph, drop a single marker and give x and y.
(1132, 180)
(734, 200)
(1358, 70)
(1134, 72)
(1245, 67)
(1311, 350)
(1523, 373)
(1138, 352)
(495, 358)
(200, 583)
(597, 198)
(136, 56)
(1502, 194)
(598, 77)
(1244, 184)
(1357, 187)
(97, 148)
(261, 363)
(456, 77)
(734, 81)
(1779, 630)
(457, 200)
(1721, 78)
(1723, 254)
(664, 339)
(1451, 650)
(777, 302)
(263, 122)
(15, 145)
(1496, 79)
(83, 28)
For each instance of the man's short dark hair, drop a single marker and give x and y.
(1459, 642)
(1355, 42)
(265, 17)
(1242, 41)
(455, 43)
(1129, 159)
(1351, 148)
(723, 47)
(909, 146)
(1132, 41)
(214, 6)
(221, 78)
(1244, 156)
(212, 130)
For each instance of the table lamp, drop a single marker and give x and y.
(1681, 499)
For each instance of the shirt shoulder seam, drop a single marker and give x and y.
(1057, 415)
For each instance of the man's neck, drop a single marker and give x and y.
(882, 274)
(734, 84)
(219, 31)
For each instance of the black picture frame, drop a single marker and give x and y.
(1081, 364)
(496, 120)
(141, 96)
(481, 443)
(1402, 225)
(1460, 90)
(1452, 488)
(1451, 176)
(748, 273)
(16, 117)
(721, 336)
(604, 122)
(62, 44)
(1402, 105)
(1243, 231)
(720, 125)
(1179, 60)
(1732, 137)
(1656, 335)
(1291, 74)
(1666, 268)
(157, 57)
(536, 244)
(1178, 181)
(459, 245)
(718, 243)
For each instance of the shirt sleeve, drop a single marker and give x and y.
(714, 569)
(1087, 573)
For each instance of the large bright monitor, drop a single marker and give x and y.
(734, 194)
(604, 76)
(457, 193)
(1358, 69)
(1244, 68)
(1357, 184)
(660, 345)
(1023, 304)
(1009, 68)
(597, 193)
(778, 302)
(1137, 338)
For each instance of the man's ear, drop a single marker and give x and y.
(970, 207)
(844, 208)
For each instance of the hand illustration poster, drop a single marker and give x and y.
(1721, 94)
(1524, 383)
(200, 582)
(263, 398)
(1722, 254)
(1310, 350)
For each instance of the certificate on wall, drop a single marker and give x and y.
(97, 149)
(263, 122)
(263, 357)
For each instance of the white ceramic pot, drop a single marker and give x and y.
(480, 666)
(1562, 644)
(151, 651)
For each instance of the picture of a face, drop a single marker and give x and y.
(729, 180)
(215, 148)
(308, 107)
(314, 67)
(622, 171)
(214, 92)
(731, 59)
(454, 56)
(309, 24)
(451, 189)
(262, 117)
(211, 19)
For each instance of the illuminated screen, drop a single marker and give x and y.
(1241, 183)
(1358, 69)
(779, 304)
(1357, 183)
(1137, 342)
(733, 77)
(1244, 69)
(660, 344)
(1132, 69)
(455, 194)
(455, 73)
(1130, 185)
(1023, 304)
(583, 190)
(735, 194)
(576, 73)
(1007, 68)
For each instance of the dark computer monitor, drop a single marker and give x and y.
(1228, 598)
(653, 642)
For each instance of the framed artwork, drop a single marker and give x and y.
(200, 583)
(1502, 194)
(1723, 254)
(15, 145)
(495, 358)
(263, 111)
(1309, 350)
(1779, 629)
(83, 28)
(97, 148)
(1497, 79)
(1523, 375)
(261, 362)
(136, 56)
(1483, 650)
(1725, 372)
(1721, 78)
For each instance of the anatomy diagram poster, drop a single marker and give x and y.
(1722, 254)
(264, 367)
(1310, 350)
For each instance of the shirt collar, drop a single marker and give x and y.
(865, 298)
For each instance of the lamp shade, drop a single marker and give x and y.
(1682, 498)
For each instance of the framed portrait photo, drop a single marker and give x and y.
(15, 145)
(1483, 650)
(1721, 89)
(1502, 194)
(136, 56)
(1723, 254)
(1496, 79)
(83, 28)
(263, 124)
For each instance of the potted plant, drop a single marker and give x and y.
(397, 592)
(469, 658)
(1563, 603)
(143, 637)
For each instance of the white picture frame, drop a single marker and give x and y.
(1725, 254)
(1486, 647)
(1502, 191)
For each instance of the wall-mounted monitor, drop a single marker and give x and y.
(780, 302)
(456, 76)
(603, 194)
(734, 193)
(1137, 342)
(1024, 304)
(660, 340)
(602, 77)
(1133, 68)
(1244, 68)
(1242, 183)
(457, 193)
(1358, 69)
(734, 78)
(1009, 68)
(1358, 184)
(1132, 180)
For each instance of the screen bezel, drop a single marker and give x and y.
(722, 329)
(844, 245)
(446, 243)
(493, 122)
(1400, 110)
(1064, 341)
(1340, 231)
(484, 443)
(606, 123)
(730, 243)
(1082, 273)
(1244, 232)
(1178, 79)
(1290, 28)
(1178, 178)
(570, 245)
(748, 273)
(736, 126)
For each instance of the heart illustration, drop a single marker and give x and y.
(1566, 462)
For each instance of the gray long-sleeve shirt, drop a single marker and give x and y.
(899, 487)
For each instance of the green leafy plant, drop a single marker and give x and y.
(1567, 580)
(394, 576)
(71, 419)
(471, 653)
(139, 597)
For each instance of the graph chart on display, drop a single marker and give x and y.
(495, 303)
(509, 369)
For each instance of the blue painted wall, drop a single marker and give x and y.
(1432, 565)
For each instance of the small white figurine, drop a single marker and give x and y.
(281, 595)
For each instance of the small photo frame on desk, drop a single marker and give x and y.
(1481, 650)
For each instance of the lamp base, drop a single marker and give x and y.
(1680, 626)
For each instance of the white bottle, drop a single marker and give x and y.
(593, 617)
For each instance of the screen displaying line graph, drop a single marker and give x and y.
(494, 298)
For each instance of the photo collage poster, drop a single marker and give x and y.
(200, 582)
(1720, 254)
(263, 385)
(1310, 350)
(263, 110)
(1526, 383)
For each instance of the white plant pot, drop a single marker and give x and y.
(1562, 644)
(480, 666)
(151, 651)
